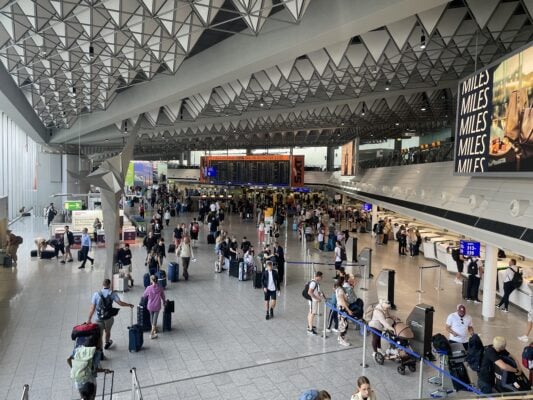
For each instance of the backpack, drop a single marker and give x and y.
(343, 254)
(472, 268)
(441, 344)
(195, 228)
(518, 279)
(310, 394)
(475, 351)
(398, 235)
(82, 364)
(19, 240)
(305, 292)
(105, 308)
(527, 357)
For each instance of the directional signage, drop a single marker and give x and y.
(469, 249)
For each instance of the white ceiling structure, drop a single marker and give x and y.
(217, 74)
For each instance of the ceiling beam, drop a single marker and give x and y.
(325, 23)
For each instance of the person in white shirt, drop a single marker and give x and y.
(315, 296)
(270, 283)
(459, 326)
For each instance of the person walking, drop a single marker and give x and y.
(85, 248)
(364, 391)
(166, 216)
(51, 212)
(343, 307)
(67, 241)
(102, 304)
(316, 297)
(185, 251)
(280, 259)
(338, 258)
(270, 283)
(124, 259)
(508, 285)
(97, 225)
(155, 294)
(459, 326)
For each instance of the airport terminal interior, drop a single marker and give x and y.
(371, 123)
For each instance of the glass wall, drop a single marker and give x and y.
(18, 166)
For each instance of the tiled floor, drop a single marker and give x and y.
(221, 345)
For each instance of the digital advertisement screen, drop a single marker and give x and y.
(347, 158)
(211, 172)
(367, 207)
(469, 249)
(494, 130)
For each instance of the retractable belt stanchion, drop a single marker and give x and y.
(365, 278)
(324, 332)
(420, 377)
(420, 269)
(363, 363)
(438, 281)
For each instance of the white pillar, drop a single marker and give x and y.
(374, 215)
(489, 282)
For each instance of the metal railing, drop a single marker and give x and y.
(136, 393)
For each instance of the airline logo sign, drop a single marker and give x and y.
(297, 176)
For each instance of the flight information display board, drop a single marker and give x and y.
(277, 170)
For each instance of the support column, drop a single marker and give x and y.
(330, 159)
(187, 158)
(489, 282)
(248, 152)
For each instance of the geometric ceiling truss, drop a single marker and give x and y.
(72, 57)
(425, 51)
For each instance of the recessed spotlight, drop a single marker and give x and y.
(342, 123)
(397, 124)
(387, 88)
(423, 109)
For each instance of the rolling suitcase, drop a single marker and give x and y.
(173, 272)
(210, 239)
(464, 288)
(256, 278)
(218, 266)
(135, 342)
(167, 315)
(234, 268)
(112, 373)
(458, 371)
(146, 280)
(242, 271)
(80, 256)
(34, 253)
(161, 278)
(143, 316)
(295, 227)
(171, 248)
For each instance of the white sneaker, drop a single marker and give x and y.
(343, 342)
(334, 330)
(328, 330)
(523, 338)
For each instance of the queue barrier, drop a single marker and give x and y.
(421, 360)
(420, 277)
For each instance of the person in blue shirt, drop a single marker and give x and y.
(85, 247)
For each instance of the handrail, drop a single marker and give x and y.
(135, 385)
(25, 392)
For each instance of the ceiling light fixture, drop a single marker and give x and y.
(387, 87)
(262, 103)
(423, 109)
(397, 124)
(423, 40)
(363, 111)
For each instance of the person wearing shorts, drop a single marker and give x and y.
(316, 297)
(270, 283)
(96, 303)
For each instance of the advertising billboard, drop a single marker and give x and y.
(347, 158)
(494, 129)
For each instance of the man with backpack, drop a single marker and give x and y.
(314, 296)
(509, 284)
(194, 229)
(84, 363)
(102, 303)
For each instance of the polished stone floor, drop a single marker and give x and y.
(221, 346)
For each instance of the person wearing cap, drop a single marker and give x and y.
(459, 326)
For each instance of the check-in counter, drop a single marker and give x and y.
(428, 245)
(444, 254)
(523, 296)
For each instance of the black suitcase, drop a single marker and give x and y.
(234, 268)
(171, 248)
(464, 288)
(458, 370)
(48, 254)
(172, 212)
(167, 321)
(143, 316)
(80, 257)
(34, 253)
(385, 239)
(256, 279)
(210, 239)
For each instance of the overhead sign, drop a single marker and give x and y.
(469, 249)
(494, 128)
(72, 205)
